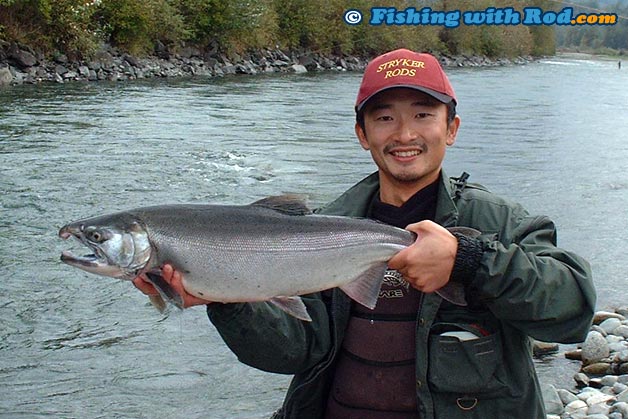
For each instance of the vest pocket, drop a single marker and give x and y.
(464, 362)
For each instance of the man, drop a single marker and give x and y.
(416, 355)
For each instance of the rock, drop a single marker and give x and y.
(70, 75)
(246, 68)
(609, 380)
(618, 347)
(131, 60)
(161, 50)
(623, 396)
(553, 403)
(599, 398)
(596, 416)
(599, 368)
(104, 58)
(620, 407)
(619, 388)
(596, 328)
(83, 71)
(229, 69)
(595, 383)
(594, 348)
(600, 316)
(308, 62)
(543, 348)
(623, 368)
(298, 68)
(566, 396)
(609, 325)
(61, 70)
(60, 58)
(622, 331)
(576, 406)
(22, 58)
(575, 354)
(280, 63)
(582, 380)
(5, 76)
(189, 52)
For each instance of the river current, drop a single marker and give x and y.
(552, 135)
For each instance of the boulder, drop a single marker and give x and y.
(5, 76)
(23, 59)
(595, 348)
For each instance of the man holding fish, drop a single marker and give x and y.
(418, 353)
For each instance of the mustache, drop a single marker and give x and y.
(421, 146)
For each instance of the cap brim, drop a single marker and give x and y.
(436, 95)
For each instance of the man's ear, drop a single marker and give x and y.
(452, 131)
(361, 136)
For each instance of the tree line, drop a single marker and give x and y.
(597, 38)
(80, 27)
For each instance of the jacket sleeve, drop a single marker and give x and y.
(265, 337)
(533, 285)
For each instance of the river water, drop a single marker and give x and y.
(552, 135)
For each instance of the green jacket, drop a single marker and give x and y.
(525, 287)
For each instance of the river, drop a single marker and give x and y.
(552, 135)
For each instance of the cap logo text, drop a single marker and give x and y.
(400, 67)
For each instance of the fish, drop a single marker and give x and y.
(274, 250)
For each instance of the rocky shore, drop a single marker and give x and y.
(22, 65)
(601, 386)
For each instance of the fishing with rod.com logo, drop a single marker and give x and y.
(529, 16)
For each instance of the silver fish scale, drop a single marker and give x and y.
(250, 253)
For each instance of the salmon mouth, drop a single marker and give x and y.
(91, 260)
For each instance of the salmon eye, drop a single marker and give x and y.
(94, 236)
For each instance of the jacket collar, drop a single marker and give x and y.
(356, 201)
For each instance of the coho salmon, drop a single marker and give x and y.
(272, 250)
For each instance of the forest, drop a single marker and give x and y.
(599, 39)
(78, 28)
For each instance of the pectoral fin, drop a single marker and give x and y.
(158, 302)
(166, 292)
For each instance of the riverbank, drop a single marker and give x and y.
(21, 65)
(601, 385)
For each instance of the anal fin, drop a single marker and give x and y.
(293, 306)
(365, 288)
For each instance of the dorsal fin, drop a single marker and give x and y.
(286, 204)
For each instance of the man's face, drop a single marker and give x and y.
(407, 133)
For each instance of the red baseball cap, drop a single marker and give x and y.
(405, 68)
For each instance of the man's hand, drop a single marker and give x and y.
(427, 264)
(173, 278)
